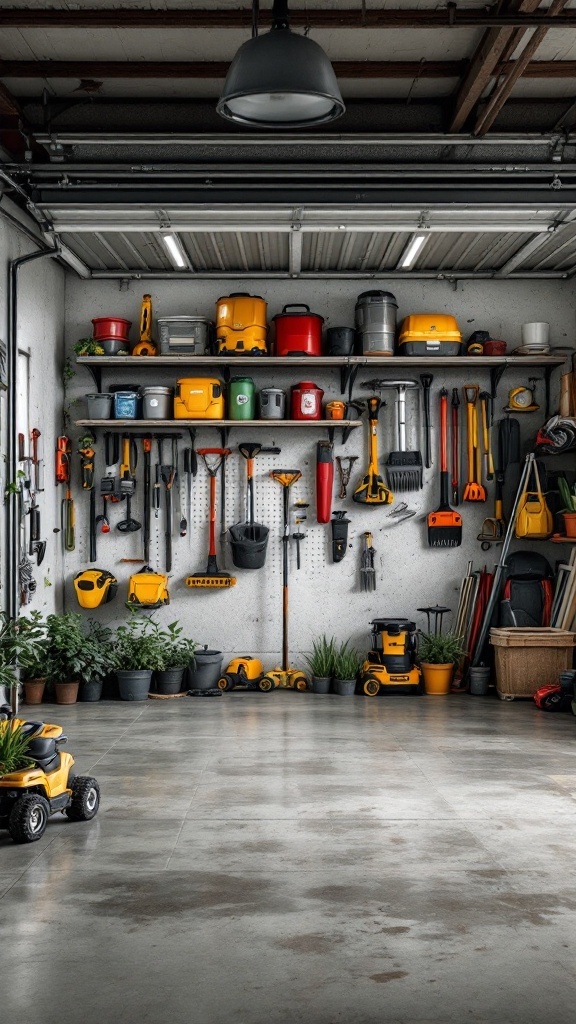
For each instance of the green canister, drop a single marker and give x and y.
(241, 398)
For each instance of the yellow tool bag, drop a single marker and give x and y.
(429, 334)
(241, 324)
(148, 589)
(199, 398)
(95, 587)
(534, 519)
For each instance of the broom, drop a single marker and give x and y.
(213, 577)
(444, 525)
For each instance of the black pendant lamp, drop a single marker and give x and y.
(280, 80)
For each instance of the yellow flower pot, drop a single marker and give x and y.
(437, 678)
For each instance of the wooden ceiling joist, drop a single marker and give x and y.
(389, 18)
(493, 47)
(503, 89)
(365, 69)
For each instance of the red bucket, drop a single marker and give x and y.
(107, 327)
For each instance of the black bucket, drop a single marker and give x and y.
(249, 543)
(340, 341)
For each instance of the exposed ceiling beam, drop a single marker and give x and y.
(364, 69)
(390, 18)
(492, 49)
(503, 89)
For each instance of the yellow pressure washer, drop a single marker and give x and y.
(390, 666)
(95, 587)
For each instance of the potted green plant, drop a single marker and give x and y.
(321, 663)
(71, 656)
(13, 747)
(438, 653)
(568, 496)
(177, 653)
(23, 655)
(347, 664)
(138, 651)
(98, 638)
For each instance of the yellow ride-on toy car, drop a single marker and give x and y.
(245, 672)
(29, 795)
(390, 666)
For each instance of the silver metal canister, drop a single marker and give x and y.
(376, 322)
(157, 403)
(272, 404)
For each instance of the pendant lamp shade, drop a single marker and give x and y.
(280, 80)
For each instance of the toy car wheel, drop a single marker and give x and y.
(266, 684)
(371, 686)
(85, 798)
(301, 683)
(28, 818)
(225, 683)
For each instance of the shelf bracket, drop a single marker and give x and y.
(348, 376)
(96, 373)
(224, 433)
(496, 374)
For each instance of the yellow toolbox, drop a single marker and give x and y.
(429, 334)
(241, 324)
(199, 398)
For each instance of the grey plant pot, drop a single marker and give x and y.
(206, 671)
(90, 691)
(169, 681)
(321, 684)
(345, 687)
(134, 685)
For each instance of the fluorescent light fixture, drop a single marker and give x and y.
(175, 251)
(411, 251)
(280, 80)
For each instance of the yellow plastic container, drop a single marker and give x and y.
(199, 398)
(241, 324)
(437, 678)
(429, 334)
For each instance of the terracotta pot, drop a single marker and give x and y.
(437, 678)
(66, 693)
(570, 523)
(34, 691)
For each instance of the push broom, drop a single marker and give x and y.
(213, 458)
(444, 525)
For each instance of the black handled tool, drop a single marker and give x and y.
(426, 381)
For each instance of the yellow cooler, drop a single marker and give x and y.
(429, 334)
(199, 398)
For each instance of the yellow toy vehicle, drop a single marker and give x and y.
(246, 672)
(288, 679)
(390, 666)
(29, 795)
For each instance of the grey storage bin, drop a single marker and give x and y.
(157, 403)
(99, 406)
(185, 334)
(272, 403)
(375, 317)
(207, 669)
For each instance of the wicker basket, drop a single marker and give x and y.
(527, 658)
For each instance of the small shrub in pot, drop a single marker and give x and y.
(137, 653)
(177, 654)
(347, 665)
(438, 653)
(321, 663)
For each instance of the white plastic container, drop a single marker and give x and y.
(157, 403)
(536, 336)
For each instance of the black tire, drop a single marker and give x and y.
(85, 798)
(29, 818)
(225, 682)
(371, 686)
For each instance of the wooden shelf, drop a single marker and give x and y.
(328, 361)
(227, 424)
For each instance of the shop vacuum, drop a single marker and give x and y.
(390, 666)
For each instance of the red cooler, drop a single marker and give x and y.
(298, 334)
(306, 401)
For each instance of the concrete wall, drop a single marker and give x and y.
(40, 331)
(323, 596)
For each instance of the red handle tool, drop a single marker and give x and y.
(324, 480)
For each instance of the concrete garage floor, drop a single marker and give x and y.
(295, 858)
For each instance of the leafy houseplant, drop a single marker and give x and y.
(177, 653)
(73, 657)
(568, 496)
(138, 652)
(13, 747)
(438, 655)
(321, 663)
(88, 347)
(23, 651)
(98, 639)
(347, 664)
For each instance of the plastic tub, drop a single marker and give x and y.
(248, 543)
(126, 405)
(157, 403)
(99, 406)
(207, 670)
(479, 681)
(272, 403)
(340, 341)
(185, 334)
(111, 327)
(536, 335)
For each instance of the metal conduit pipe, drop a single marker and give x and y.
(11, 510)
(284, 275)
